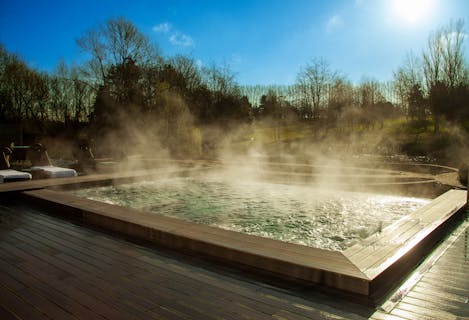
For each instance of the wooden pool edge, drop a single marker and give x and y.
(331, 269)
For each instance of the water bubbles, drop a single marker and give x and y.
(300, 214)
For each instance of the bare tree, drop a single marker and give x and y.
(433, 59)
(340, 98)
(314, 80)
(220, 80)
(444, 68)
(454, 68)
(370, 99)
(369, 93)
(188, 69)
(406, 79)
(24, 91)
(444, 59)
(111, 44)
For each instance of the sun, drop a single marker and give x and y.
(412, 11)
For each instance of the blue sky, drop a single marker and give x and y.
(263, 42)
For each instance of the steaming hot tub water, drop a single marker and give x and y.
(332, 220)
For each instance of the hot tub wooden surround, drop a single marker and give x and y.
(368, 269)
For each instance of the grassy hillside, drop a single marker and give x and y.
(399, 136)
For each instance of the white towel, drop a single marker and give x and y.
(55, 172)
(10, 174)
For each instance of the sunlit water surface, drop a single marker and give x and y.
(327, 219)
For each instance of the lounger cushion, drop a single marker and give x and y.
(13, 175)
(54, 172)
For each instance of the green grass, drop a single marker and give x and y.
(270, 134)
(414, 138)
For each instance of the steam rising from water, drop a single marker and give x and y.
(179, 136)
(324, 219)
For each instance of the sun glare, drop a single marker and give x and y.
(412, 11)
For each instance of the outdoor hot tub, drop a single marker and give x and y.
(358, 243)
(302, 214)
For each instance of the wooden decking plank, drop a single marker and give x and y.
(376, 254)
(78, 263)
(6, 315)
(430, 215)
(442, 293)
(381, 260)
(448, 275)
(452, 265)
(388, 234)
(83, 237)
(423, 285)
(46, 290)
(19, 307)
(259, 304)
(204, 295)
(45, 244)
(453, 262)
(460, 284)
(100, 289)
(88, 250)
(434, 296)
(425, 313)
(458, 254)
(55, 276)
(432, 301)
(49, 308)
(30, 234)
(380, 315)
(241, 310)
(85, 295)
(456, 282)
(11, 282)
(248, 297)
(14, 248)
(412, 315)
(323, 303)
(202, 298)
(86, 253)
(282, 314)
(75, 226)
(180, 301)
(371, 258)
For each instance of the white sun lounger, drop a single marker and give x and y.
(53, 172)
(13, 175)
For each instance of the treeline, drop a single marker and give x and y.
(327, 98)
(128, 96)
(434, 85)
(436, 82)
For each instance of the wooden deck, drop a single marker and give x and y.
(369, 269)
(439, 288)
(330, 268)
(51, 268)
